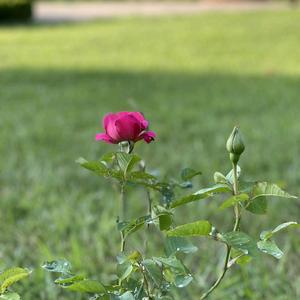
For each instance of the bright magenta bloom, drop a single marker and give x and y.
(125, 126)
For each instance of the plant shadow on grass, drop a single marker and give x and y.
(55, 22)
(54, 209)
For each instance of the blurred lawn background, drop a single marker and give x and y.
(194, 78)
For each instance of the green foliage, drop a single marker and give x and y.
(240, 241)
(259, 191)
(58, 266)
(167, 270)
(153, 277)
(229, 176)
(198, 228)
(8, 278)
(10, 296)
(69, 281)
(126, 162)
(86, 286)
(269, 247)
(265, 189)
(179, 245)
(99, 168)
(258, 206)
(188, 173)
(267, 234)
(129, 227)
(165, 217)
(234, 200)
(201, 194)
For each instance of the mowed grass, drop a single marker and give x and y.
(194, 78)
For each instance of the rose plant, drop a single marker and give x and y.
(143, 276)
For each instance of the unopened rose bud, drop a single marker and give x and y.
(235, 145)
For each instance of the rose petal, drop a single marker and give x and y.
(108, 118)
(140, 117)
(104, 137)
(128, 128)
(149, 136)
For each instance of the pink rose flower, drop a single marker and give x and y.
(125, 126)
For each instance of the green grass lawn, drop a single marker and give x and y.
(194, 78)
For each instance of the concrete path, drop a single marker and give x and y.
(80, 11)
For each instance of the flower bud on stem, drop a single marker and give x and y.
(235, 147)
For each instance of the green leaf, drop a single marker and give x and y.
(234, 200)
(240, 241)
(244, 260)
(126, 296)
(165, 221)
(165, 217)
(182, 281)
(246, 186)
(219, 178)
(259, 191)
(10, 296)
(258, 206)
(239, 257)
(126, 161)
(124, 270)
(10, 276)
(99, 168)
(179, 244)
(229, 176)
(58, 266)
(269, 247)
(87, 286)
(285, 225)
(201, 194)
(132, 257)
(154, 271)
(267, 234)
(108, 158)
(188, 173)
(268, 189)
(132, 226)
(143, 178)
(64, 281)
(171, 262)
(174, 270)
(198, 228)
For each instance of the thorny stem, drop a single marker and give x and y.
(235, 228)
